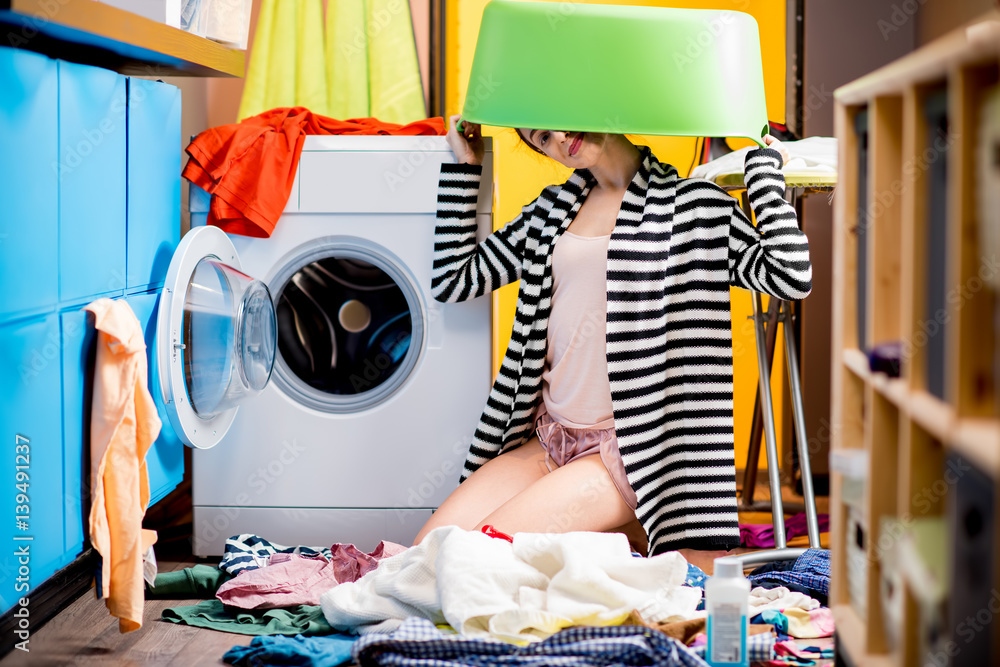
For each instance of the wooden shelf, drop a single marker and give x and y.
(979, 40)
(851, 639)
(906, 241)
(93, 33)
(856, 362)
(979, 441)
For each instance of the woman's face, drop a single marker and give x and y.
(576, 150)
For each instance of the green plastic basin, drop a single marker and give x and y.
(617, 68)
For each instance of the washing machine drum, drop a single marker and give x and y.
(344, 326)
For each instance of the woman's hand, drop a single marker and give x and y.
(772, 142)
(467, 145)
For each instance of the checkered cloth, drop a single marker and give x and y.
(419, 643)
(249, 552)
(811, 571)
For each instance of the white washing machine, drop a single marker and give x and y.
(361, 428)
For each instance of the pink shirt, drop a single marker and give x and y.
(575, 384)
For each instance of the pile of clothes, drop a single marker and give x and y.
(468, 598)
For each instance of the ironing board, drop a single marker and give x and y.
(797, 184)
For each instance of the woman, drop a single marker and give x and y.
(614, 400)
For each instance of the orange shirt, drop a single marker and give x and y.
(249, 167)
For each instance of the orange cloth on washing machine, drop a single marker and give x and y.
(249, 167)
(123, 426)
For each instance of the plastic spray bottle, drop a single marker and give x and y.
(727, 593)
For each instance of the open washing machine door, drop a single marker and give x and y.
(215, 337)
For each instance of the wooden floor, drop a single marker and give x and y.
(86, 634)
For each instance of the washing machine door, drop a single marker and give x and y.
(215, 337)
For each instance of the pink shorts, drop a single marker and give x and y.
(563, 444)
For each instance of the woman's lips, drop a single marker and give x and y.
(575, 146)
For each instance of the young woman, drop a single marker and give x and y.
(613, 408)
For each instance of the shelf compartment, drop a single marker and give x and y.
(850, 638)
(884, 190)
(882, 443)
(921, 459)
(848, 329)
(94, 33)
(971, 385)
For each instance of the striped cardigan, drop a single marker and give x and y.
(677, 246)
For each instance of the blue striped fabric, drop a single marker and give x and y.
(418, 643)
(249, 552)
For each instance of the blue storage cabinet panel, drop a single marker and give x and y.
(78, 337)
(165, 459)
(30, 378)
(28, 174)
(154, 180)
(92, 107)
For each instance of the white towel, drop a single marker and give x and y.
(520, 592)
(813, 154)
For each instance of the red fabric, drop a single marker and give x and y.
(250, 166)
(493, 532)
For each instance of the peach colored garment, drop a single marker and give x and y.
(575, 387)
(123, 425)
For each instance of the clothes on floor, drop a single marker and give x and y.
(328, 651)
(686, 632)
(292, 579)
(762, 535)
(212, 614)
(249, 552)
(673, 267)
(249, 167)
(521, 592)
(809, 574)
(798, 623)
(199, 581)
(779, 598)
(563, 444)
(123, 426)
(417, 643)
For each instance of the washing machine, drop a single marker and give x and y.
(328, 397)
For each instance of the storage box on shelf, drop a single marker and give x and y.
(915, 261)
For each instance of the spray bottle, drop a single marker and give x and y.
(727, 594)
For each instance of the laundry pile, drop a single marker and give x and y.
(476, 598)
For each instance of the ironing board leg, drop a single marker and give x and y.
(770, 444)
(757, 426)
(798, 414)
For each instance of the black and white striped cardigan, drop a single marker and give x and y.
(677, 246)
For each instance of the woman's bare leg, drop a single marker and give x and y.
(496, 482)
(577, 496)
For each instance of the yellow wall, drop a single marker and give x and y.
(521, 174)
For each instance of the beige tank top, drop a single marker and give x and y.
(575, 384)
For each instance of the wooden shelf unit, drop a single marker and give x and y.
(95, 33)
(886, 260)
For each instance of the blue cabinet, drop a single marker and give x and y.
(28, 174)
(92, 108)
(31, 415)
(90, 167)
(154, 185)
